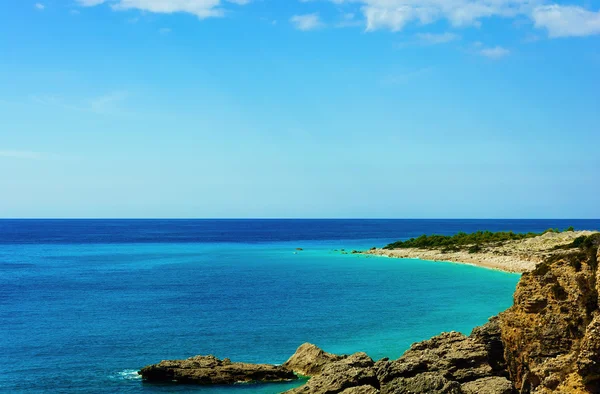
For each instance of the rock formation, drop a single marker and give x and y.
(355, 372)
(209, 370)
(550, 334)
(309, 360)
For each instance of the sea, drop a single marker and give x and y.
(84, 304)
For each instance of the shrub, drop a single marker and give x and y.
(475, 248)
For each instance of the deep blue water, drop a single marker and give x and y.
(84, 303)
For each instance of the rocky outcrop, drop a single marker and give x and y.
(550, 334)
(352, 372)
(209, 370)
(446, 363)
(309, 360)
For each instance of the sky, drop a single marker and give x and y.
(300, 109)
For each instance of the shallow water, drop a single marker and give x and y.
(84, 304)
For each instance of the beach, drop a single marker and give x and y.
(512, 256)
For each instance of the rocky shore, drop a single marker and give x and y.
(547, 342)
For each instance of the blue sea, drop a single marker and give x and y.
(86, 303)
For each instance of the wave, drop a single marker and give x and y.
(127, 374)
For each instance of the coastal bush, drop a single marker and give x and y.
(450, 249)
(475, 248)
(552, 230)
(462, 240)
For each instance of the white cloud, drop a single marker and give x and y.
(306, 22)
(567, 21)
(39, 6)
(396, 14)
(434, 39)
(90, 3)
(164, 30)
(496, 52)
(558, 20)
(201, 8)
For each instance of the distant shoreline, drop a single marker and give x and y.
(513, 267)
(513, 256)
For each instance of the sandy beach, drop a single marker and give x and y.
(512, 256)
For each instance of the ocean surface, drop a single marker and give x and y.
(85, 303)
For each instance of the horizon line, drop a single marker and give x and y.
(277, 218)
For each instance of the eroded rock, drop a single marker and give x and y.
(309, 360)
(550, 334)
(350, 372)
(451, 355)
(489, 385)
(209, 370)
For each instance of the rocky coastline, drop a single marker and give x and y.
(547, 342)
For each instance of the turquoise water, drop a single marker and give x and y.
(85, 315)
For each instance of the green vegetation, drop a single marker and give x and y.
(471, 242)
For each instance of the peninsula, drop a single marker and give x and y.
(505, 251)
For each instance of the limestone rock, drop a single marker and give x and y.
(351, 372)
(361, 390)
(490, 385)
(309, 360)
(490, 336)
(209, 370)
(425, 383)
(550, 334)
(588, 362)
(451, 355)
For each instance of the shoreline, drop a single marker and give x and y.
(487, 262)
(515, 257)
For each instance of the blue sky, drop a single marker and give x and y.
(288, 108)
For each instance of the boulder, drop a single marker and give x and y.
(309, 360)
(353, 371)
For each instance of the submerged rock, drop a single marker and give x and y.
(209, 370)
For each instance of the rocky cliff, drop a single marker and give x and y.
(551, 333)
